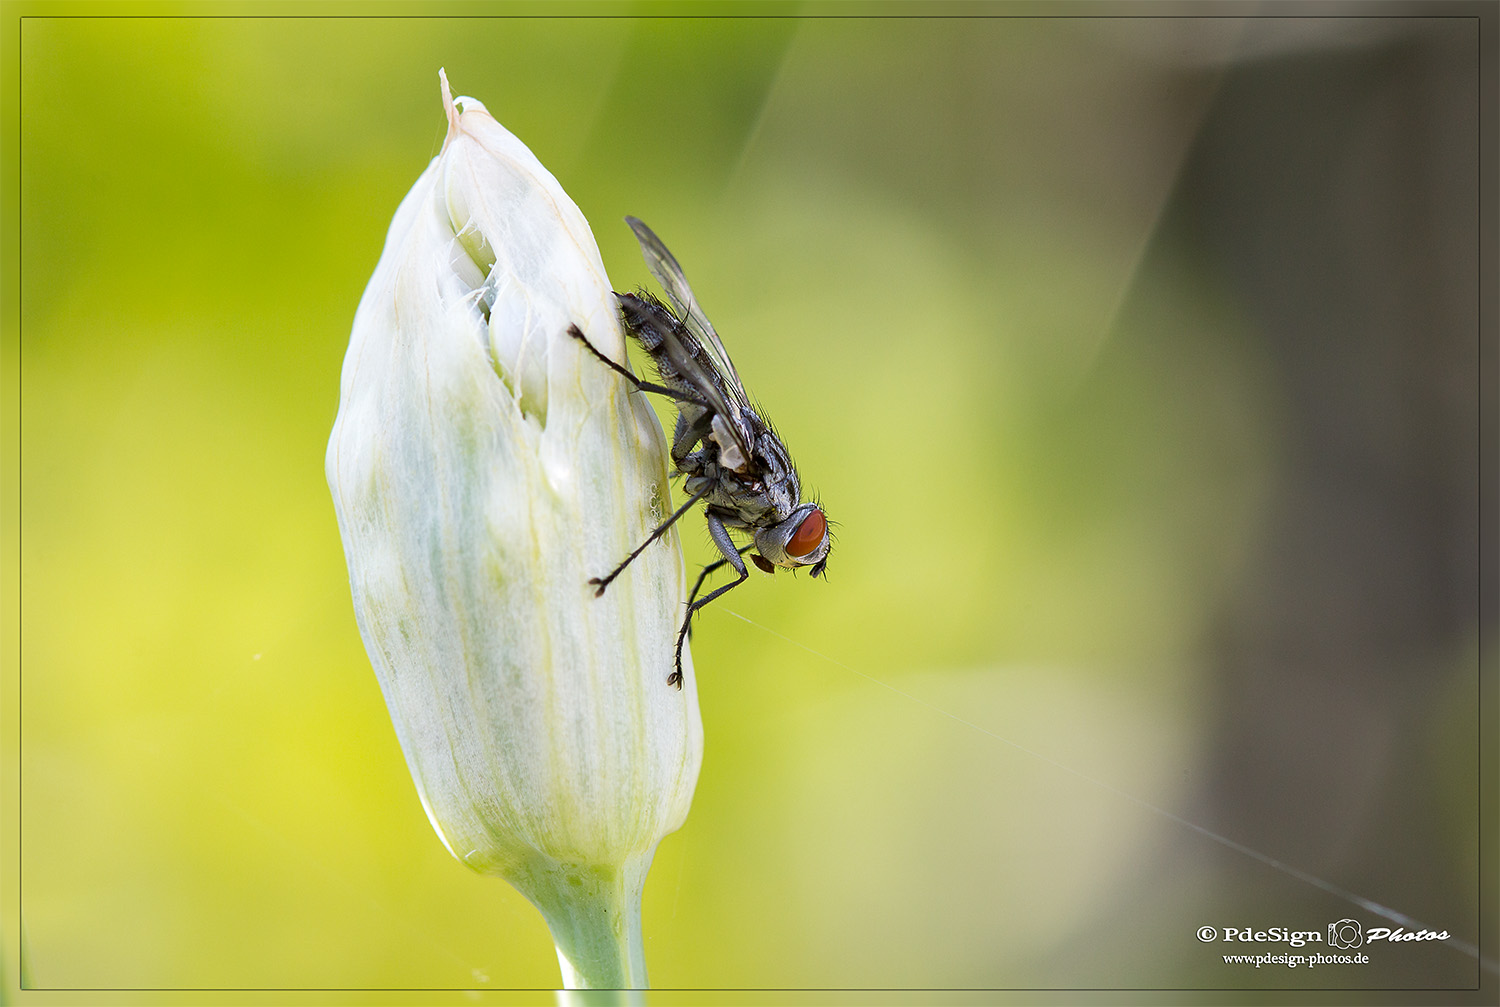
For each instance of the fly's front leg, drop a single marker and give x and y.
(720, 535)
(703, 574)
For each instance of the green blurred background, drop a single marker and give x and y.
(1136, 359)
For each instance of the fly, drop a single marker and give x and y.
(730, 458)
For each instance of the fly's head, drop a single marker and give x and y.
(799, 540)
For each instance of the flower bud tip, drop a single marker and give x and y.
(448, 107)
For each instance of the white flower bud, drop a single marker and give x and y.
(484, 466)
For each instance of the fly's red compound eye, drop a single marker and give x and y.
(808, 536)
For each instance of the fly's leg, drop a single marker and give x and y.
(720, 535)
(644, 386)
(603, 582)
(703, 574)
(687, 436)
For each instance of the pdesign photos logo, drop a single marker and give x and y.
(1345, 934)
(1342, 935)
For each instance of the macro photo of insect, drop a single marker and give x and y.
(731, 459)
(800, 503)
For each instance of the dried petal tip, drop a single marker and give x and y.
(448, 108)
(455, 108)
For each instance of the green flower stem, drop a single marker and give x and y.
(594, 913)
(601, 998)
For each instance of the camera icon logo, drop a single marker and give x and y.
(1345, 934)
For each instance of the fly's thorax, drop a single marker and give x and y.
(739, 504)
(698, 480)
(772, 458)
(800, 539)
(752, 511)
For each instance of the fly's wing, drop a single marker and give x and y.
(681, 362)
(668, 273)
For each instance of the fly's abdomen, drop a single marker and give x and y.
(652, 325)
(673, 347)
(644, 320)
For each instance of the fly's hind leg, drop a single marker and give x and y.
(644, 386)
(720, 535)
